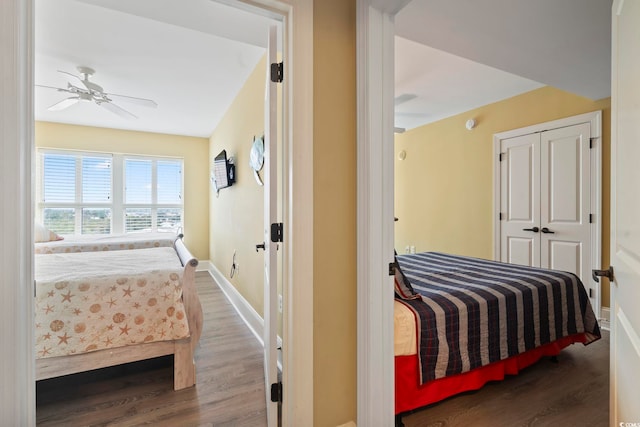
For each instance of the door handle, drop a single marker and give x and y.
(534, 229)
(545, 230)
(260, 246)
(608, 273)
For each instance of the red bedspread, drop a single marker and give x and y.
(411, 395)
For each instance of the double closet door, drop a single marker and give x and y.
(545, 200)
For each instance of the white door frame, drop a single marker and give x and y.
(270, 179)
(17, 401)
(595, 121)
(375, 75)
(17, 364)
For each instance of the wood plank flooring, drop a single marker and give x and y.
(572, 392)
(229, 390)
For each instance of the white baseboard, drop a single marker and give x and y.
(242, 306)
(204, 265)
(605, 318)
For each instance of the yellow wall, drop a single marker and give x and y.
(334, 201)
(236, 214)
(194, 151)
(444, 187)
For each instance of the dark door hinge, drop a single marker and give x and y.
(276, 232)
(590, 292)
(591, 140)
(500, 216)
(277, 72)
(500, 157)
(276, 392)
(392, 268)
(590, 218)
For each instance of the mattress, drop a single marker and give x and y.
(110, 242)
(404, 330)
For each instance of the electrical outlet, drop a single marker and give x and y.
(413, 249)
(280, 303)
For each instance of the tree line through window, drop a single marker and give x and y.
(95, 193)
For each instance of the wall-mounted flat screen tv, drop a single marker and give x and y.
(223, 173)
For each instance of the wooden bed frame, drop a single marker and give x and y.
(184, 371)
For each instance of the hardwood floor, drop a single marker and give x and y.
(229, 389)
(572, 392)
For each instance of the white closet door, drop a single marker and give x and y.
(520, 200)
(565, 200)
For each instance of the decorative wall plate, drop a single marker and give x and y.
(256, 159)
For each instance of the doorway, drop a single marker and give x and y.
(18, 73)
(378, 55)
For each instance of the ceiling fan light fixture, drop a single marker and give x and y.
(92, 92)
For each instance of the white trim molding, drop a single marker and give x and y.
(17, 360)
(204, 265)
(297, 373)
(249, 315)
(605, 318)
(375, 70)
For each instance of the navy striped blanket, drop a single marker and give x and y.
(473, 312)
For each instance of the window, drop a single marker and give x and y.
(83, 193)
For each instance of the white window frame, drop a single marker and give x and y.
(119, 190)
(77, 205)
(117, 203)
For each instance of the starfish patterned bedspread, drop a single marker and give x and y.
(99, 300)
(109, 242)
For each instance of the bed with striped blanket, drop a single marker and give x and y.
(473, 313)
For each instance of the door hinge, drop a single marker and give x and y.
(276, 392)
(392, 268)
(277, 72)
(590, 218)
(500, 157)
(590, 292)
(500, 216)
(591, 140)
(276, 232)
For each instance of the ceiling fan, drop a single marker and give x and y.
(92, 92)
(401, 99)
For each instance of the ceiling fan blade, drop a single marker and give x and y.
(59, 89)
(70, 75)
(117, 110)
(65, 103)
(405, 97)
(133, 100)
(86, 83)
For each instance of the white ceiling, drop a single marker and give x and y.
(185, 59)
(193, 60)
(565, 44)
(445, 85)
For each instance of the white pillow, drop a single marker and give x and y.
(42, 234)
